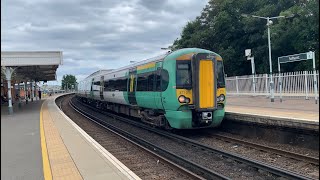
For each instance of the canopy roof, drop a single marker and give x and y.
(32, 65)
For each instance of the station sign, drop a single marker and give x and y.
(295, 57)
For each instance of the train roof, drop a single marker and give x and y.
(157, 58)
(153, 59)
(101, 71)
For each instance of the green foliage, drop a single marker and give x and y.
(68, 81)
(222, 28)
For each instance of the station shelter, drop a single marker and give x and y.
(22, 70)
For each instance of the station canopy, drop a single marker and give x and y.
(32, 65)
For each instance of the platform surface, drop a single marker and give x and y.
(20, 142)
(295, 109)
(39, 142)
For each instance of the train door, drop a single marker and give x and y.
(204, 81)
(157, 84)
(101, 87)
(132, 86)
(91, 88)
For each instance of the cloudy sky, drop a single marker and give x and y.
(95, 34)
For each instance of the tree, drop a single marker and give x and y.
(68, 82)
(222, 29)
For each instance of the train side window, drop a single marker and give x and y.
(158, 80)
(164, 79)
(142, 82)
(111, 85)
(115, 84)
(150, 81)
(145, 81)
(122, 83)
(106, 85)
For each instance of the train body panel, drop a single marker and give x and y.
(183, 89)
(115, 97)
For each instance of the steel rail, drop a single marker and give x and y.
(297, 156)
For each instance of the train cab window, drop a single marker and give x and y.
(184, 78)
(220, 75)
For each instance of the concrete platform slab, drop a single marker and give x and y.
(91, 159)
(20, 142)
(294, 113)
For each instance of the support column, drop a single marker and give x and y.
(266, 77)
(37, 91)
(9, 72)
(19, 97)
(280, 80)
(253, 75)
(237, 87)
(25, 92)
(315, 77)
(32, 91)
(306, 84)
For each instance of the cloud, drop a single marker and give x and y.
(95, 34)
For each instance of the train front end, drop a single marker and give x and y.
(200, 90)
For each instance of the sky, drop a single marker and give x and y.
(95, 34)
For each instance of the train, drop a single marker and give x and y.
(182, 89)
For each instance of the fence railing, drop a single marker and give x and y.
(297, 84)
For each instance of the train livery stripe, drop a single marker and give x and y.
(45, 158)
(185, 56)
(206, 78)
(218, 58)
(146, 66)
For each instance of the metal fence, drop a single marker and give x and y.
(294, 84)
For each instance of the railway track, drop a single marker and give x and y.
(288, 154)
(128, 151)
(206, 172)
(151, 166)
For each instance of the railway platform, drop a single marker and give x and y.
(294, 113)
(38, 141)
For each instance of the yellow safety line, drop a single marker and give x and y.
(45, 158)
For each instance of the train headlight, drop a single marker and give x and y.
(221, 98)
(183, 99)
(187, 100)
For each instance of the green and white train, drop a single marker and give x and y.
(183, 89)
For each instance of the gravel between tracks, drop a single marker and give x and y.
(298, 166)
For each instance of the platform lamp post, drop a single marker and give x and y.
(249, 57)
(269, 23)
